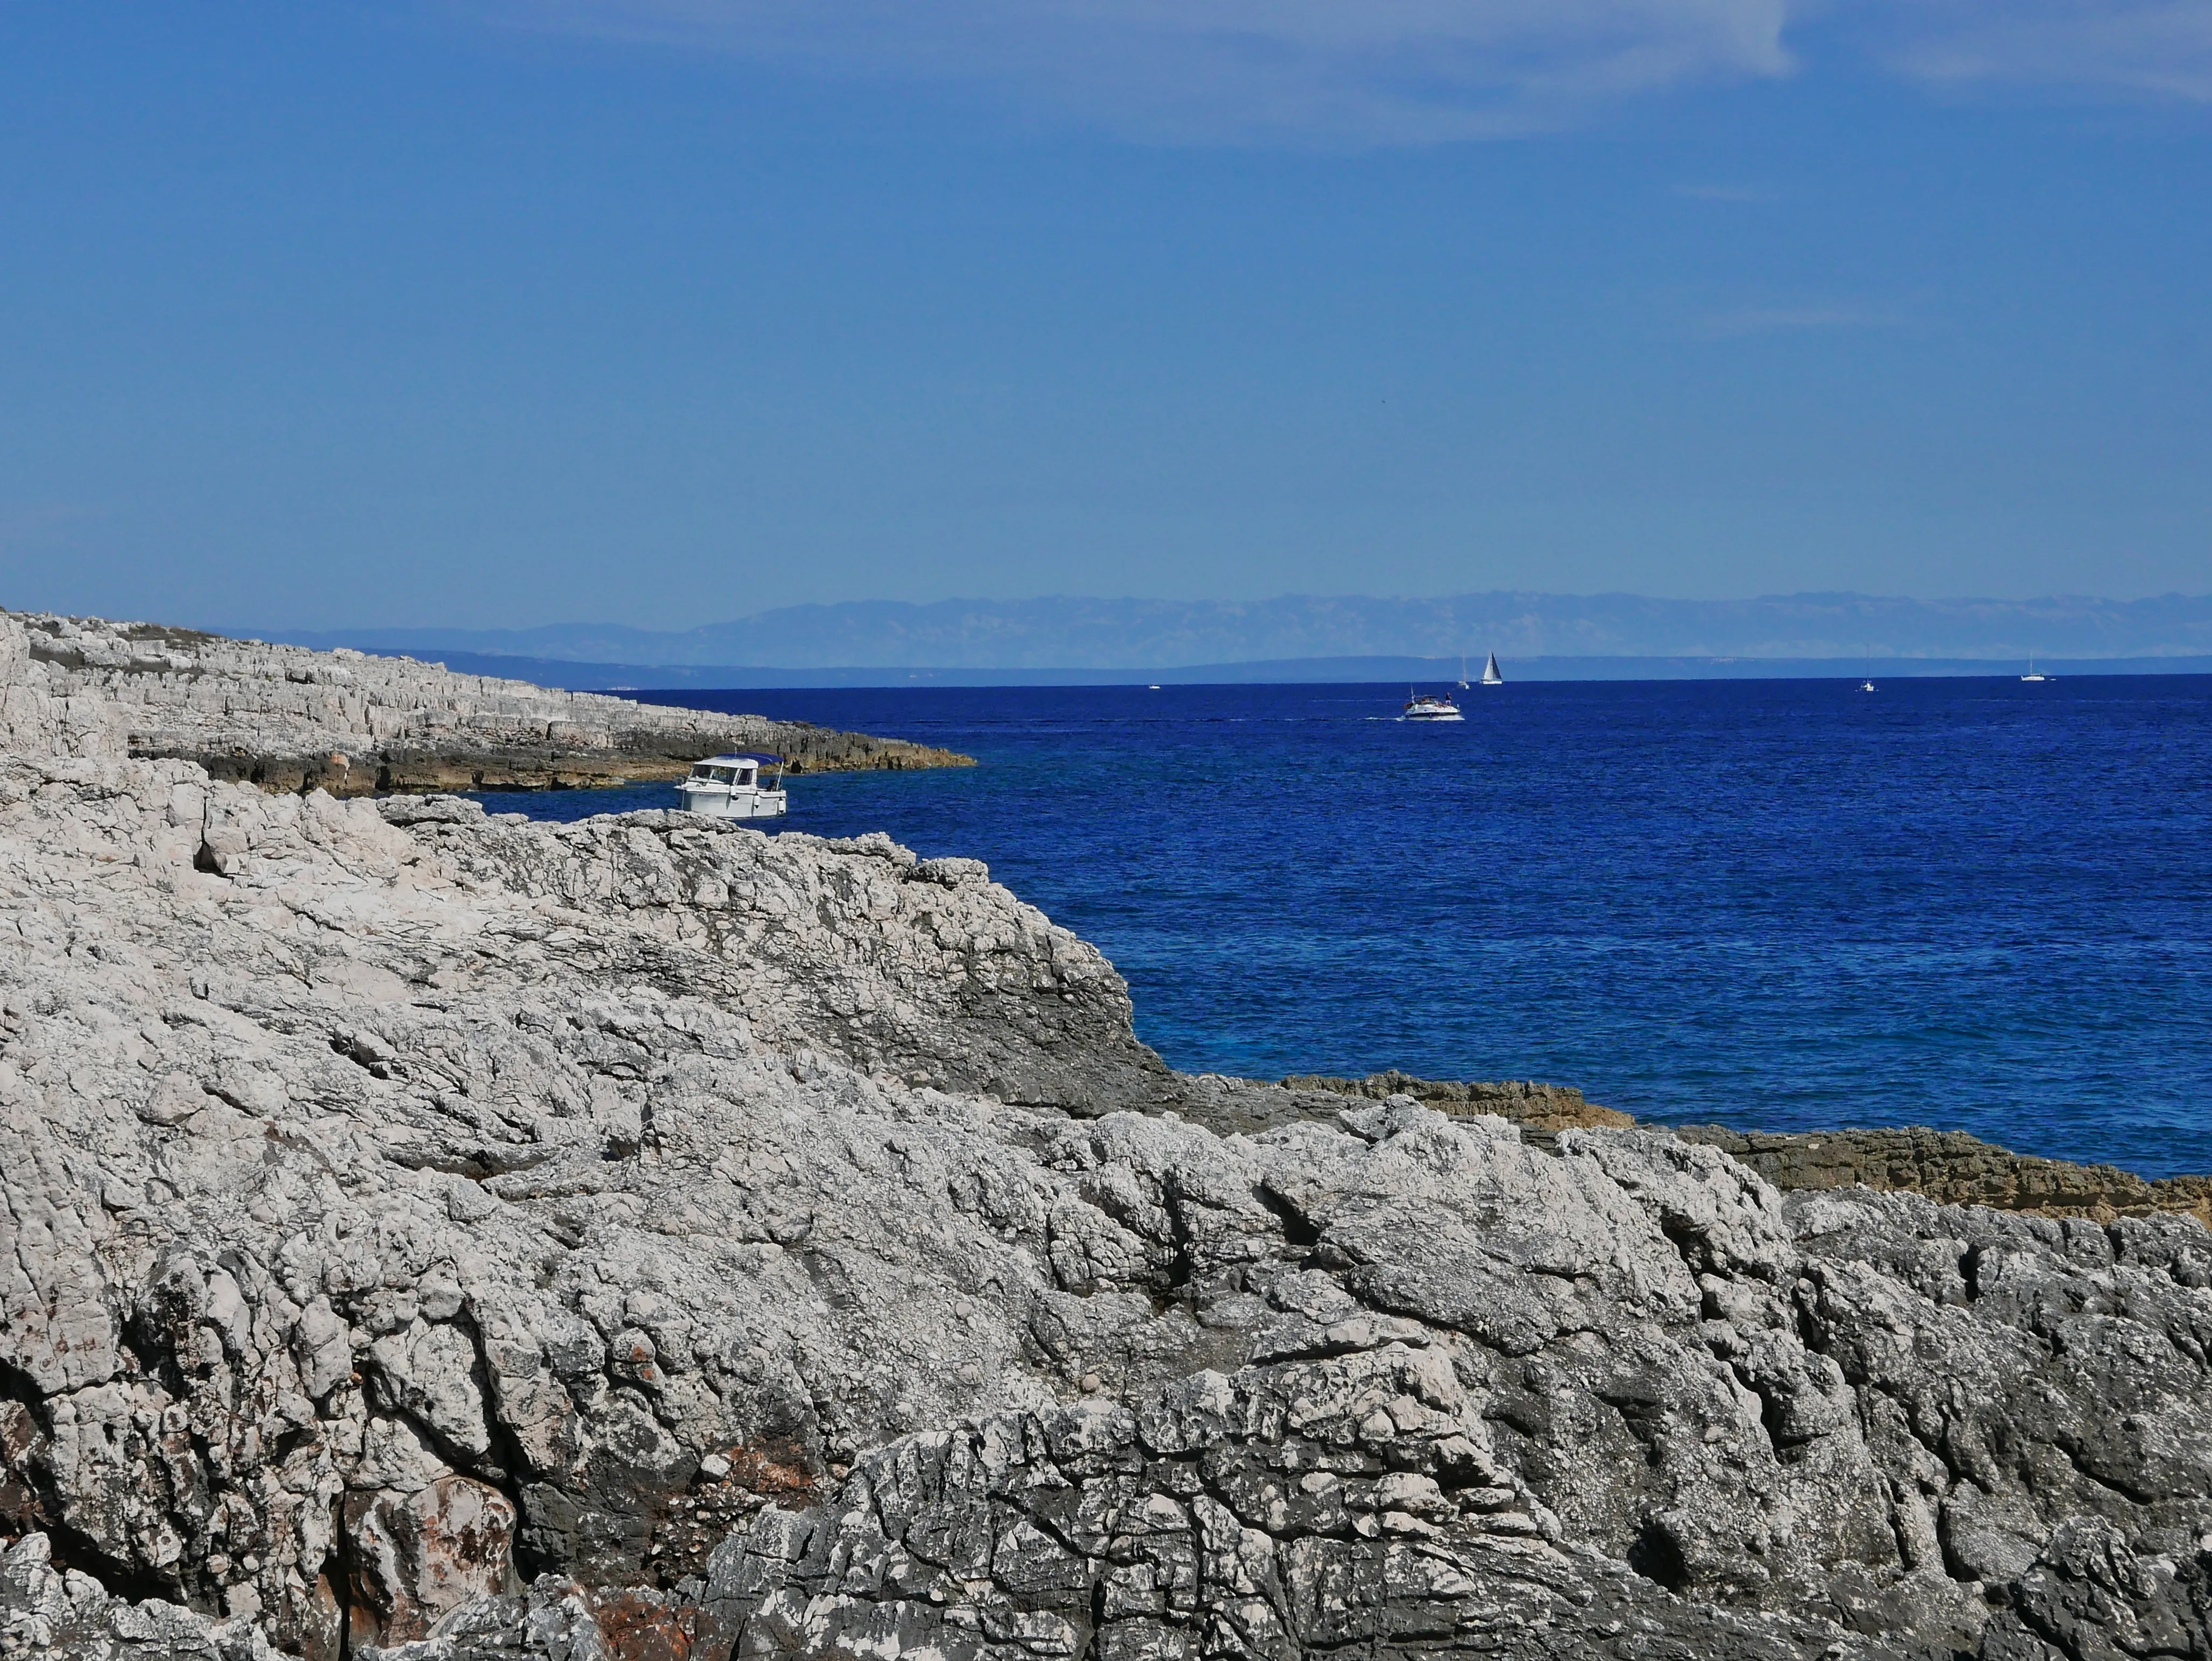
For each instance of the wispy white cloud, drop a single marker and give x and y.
(1359, 71)
(1717, 190)
(1397, 72)
(1794, 319)
(2164, 47)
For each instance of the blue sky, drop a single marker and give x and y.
(661, 311)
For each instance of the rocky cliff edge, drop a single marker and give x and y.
(285, 717)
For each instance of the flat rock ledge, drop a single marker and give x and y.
(1947, 1165)
(1538, 1109)
(429, 1235)
(1955, 1169)
(285, 717)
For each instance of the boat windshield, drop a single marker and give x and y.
(713, 775)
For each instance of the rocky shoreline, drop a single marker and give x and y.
(284, 718)
(431, 1234)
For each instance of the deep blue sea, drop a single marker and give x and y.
(1975, 904)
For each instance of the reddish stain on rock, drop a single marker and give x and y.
(416, 1555)
(770, 1477)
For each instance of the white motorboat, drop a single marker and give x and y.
(733, 786)
(1491, 677)
(1423, 707)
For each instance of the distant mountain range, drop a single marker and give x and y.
(647, 679)
(1062, 633)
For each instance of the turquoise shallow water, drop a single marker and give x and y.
(1970, 903)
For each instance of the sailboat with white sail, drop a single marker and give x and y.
(1491, 677)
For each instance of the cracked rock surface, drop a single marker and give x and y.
(1624, 1401)
(434, 1236)
(352, 1167)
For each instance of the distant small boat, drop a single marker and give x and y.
(1423, 707)
(1155, 686)
(1867, 685)
(1491, 677)
(2032, 675)
(1462, 675)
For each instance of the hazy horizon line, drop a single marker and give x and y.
(1807, 594)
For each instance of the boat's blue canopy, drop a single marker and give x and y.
(731, 758)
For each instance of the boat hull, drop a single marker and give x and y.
(743, 804)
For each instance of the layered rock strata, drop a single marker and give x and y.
(285, 717)
(431, 1235)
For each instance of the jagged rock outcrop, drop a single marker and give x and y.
(39, 719)
(443, 1236)
(49, 1611)
(1622, 1399)
(293, 1091)
(285, 717)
